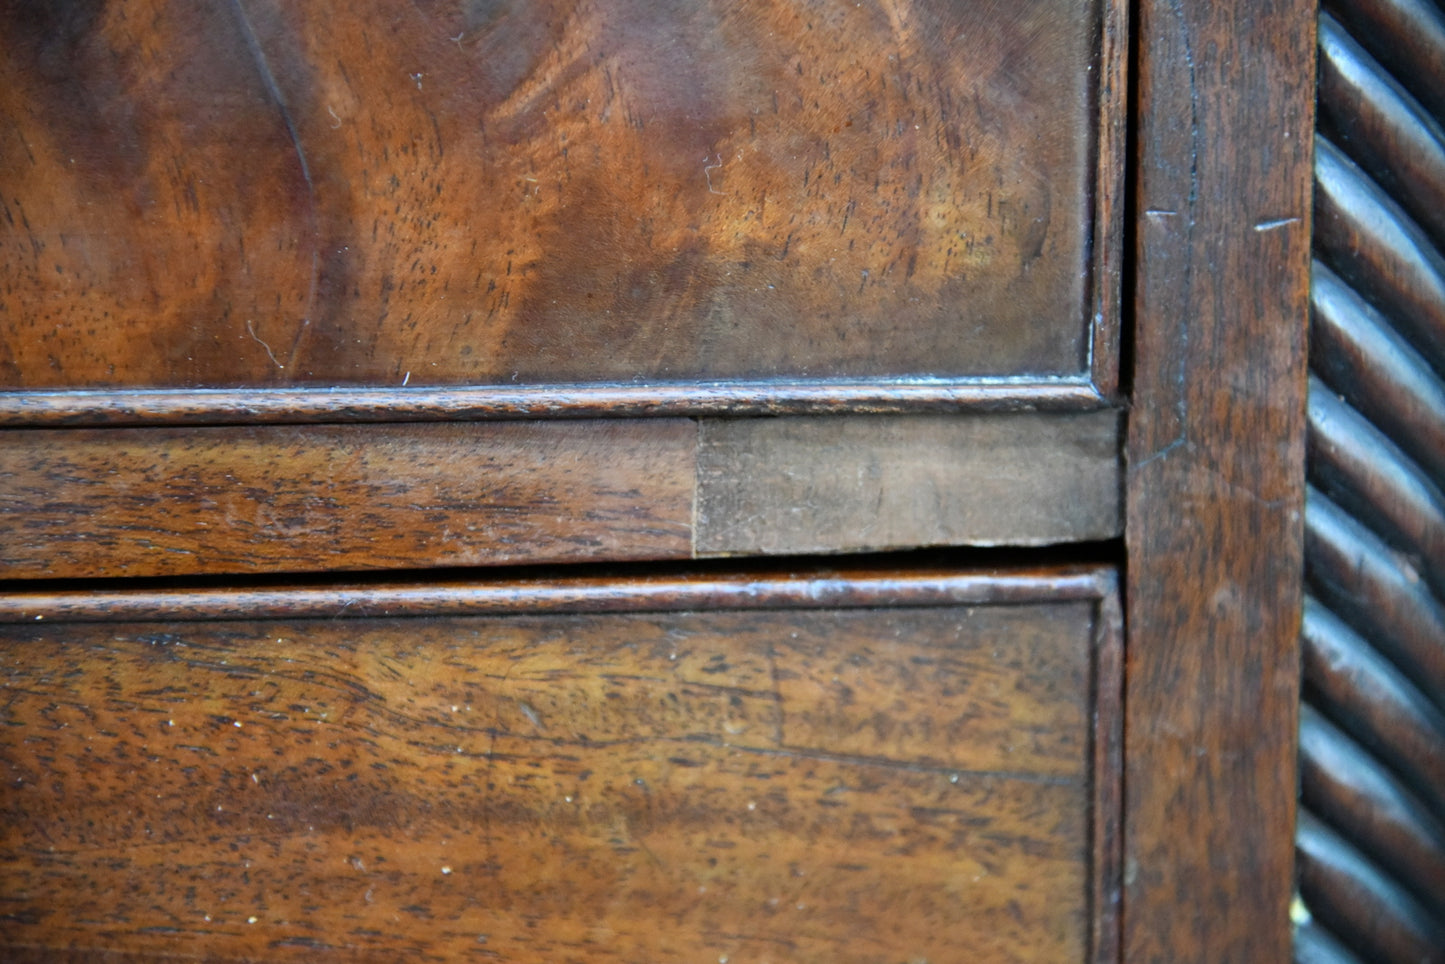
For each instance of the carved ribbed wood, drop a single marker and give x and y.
(1371, 838)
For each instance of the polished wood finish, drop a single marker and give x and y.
(1371, 699)
(1215, 494)
(379, 225)
(266, 499)
(1388, 133)
(1358, 467)
(675, 588)
(722, 397)
(1348, 787)
(1362, 359)
(1356, 574)
(255, 193)
(1365, 238)
(150, 502)
(1372, 734)
(1407, 37)
(798, 781)
(1387, 924)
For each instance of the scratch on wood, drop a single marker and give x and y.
(1275, 224)
(268, 79)
(1163, 452)
(708, 168)
(257, 339)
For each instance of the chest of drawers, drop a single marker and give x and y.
(631, 481)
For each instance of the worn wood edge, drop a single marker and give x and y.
(1107, 735)
(670, 592)
(877, 483)
(204, 406)
(236, 499)
(1111, 106)
(1205, 882)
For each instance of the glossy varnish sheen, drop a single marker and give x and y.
(849, 785)
(410, 191)
(1371, 844)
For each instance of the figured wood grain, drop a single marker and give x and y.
(390, 192)
(1215, 477)
(810, 485)
(801, 783)
(119, 502)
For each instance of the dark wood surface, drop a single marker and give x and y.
(790, 782)
(389, 193)
(1214, 483)
(412, 212)
(270, 499)
(154, 501)
(1371, 848)
(1346, 888)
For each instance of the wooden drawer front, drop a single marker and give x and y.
(405, 192)
(286, 498)
(851, 768)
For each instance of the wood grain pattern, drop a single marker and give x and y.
(1215, 477)
(1372, 738)
(249, 499)
(406, 191)
(818, 485)
(125, 502)
(797, 783)
(1407, 37)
